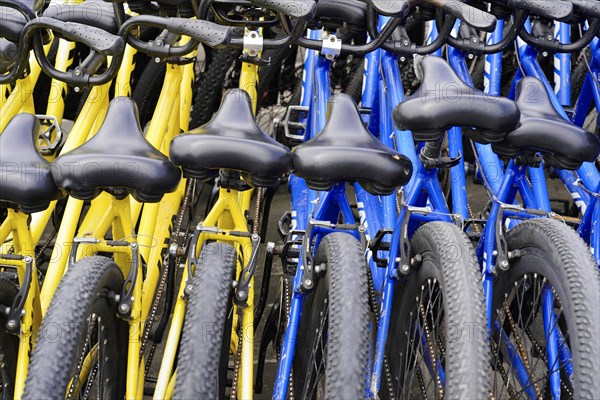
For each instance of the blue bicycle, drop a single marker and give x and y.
(419, 249)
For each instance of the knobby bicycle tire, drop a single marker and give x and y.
(551, 253)
(448, 269)
(208, 88)
(84, 291)
(202, 368)
(339, 300)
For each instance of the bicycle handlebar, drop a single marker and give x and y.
(480, 47)
(587, 8)
(455, 9)
(397, 9)
(205, 32)
(17, 68)
(97, 39)
(101, 42)
(558, 10)
(554, 46)
(470, 15)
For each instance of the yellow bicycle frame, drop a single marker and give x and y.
(228, 214)
(15, 225)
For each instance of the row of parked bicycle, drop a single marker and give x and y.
(130, 246)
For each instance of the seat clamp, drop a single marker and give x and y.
(332, 47)
(253, 43)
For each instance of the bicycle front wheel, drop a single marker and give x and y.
(437, 342)
(544, 335)
(81, 350)
(204, 351)
(331, 361)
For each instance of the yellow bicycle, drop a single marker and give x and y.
(19, 236)
(112, 296)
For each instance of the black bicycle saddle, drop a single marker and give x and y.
(341, 12)
(232, 141)
(25, 179)
(543, 129)
(12, 21)
(443, 100)
(346, 151)
(117, 159)
(96, 13)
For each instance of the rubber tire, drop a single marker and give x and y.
(9, 343)
(208, 89)
(354, 86)
(76, 298)
(344, 286)
(448, 256)
(272, 71)
(199, 361)
(147, 90)
(572, 272)
(579, 73)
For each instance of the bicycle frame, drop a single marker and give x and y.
(503, 187)
(15, 225)
(228, 215)
(16, 233)
(423, 200)
(315, 95)
(116, 217)
(582, 185)
(172, 115)
(380, 92)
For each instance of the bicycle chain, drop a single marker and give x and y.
(542, 354)
(238, 361)
(521, 348)
(45, 246)
(165, 271)
(88, 387)
(88, 338)
(372, 300)
(432, 355)
(286, 289)
(238, 355)
(495, 352)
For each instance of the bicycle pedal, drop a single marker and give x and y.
(51, 134)
(289, 124)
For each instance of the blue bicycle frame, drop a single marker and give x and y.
(423, 194)
(329, 206)
(504, 187)
(584, 185)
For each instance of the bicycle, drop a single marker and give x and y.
(222, 145)
(26, 196)
(507, 255)
(111, 212)
(376, 209)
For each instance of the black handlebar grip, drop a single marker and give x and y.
(471, 16)
(205, 32)
(391, 8)
(587, 8)
(8, 55)
(292, 8)
(556, 9)
(97, 39)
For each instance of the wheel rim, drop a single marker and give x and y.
(423, 355)
(314, 387)
(520, 332)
